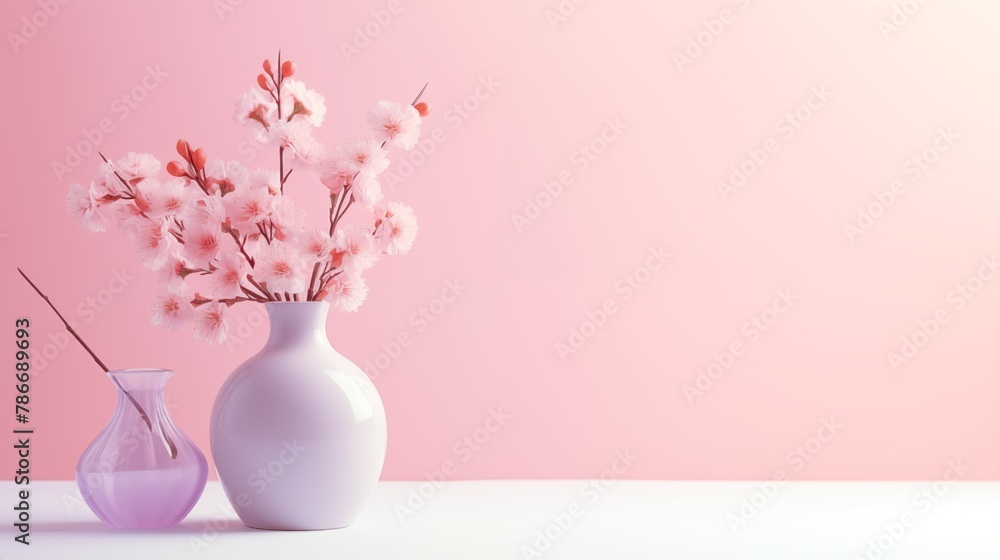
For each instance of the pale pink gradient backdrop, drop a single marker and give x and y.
(495, 346)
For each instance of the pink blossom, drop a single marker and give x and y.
(172, 309)
(135, 167)
(211, 323)
(367, 190)
(174, 270)
(348, 293)
(355, 248)
(105, 182)
(153, 240)
(85, 208)
(281, 268)
(286, 218)
(302, 104)
(297, 137)
(227, 279)
(247, 207)
(123, 211)
(335, 174)
(164, 200)
(202, 244)
(226, 176)
(203, 209)
(257, 111)
(316, 244)
(394, 122)
(267, 179)
(396, 228)
(363, 155)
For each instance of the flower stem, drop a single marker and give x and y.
(262, 289)
(312, 282)
(239, 243)
(281, 165)
(333, 204)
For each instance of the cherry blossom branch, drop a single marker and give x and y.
(252, 295)
(325, 284)
(263, 231)
(312, 282)
(335, 215)
(142, 413)
(340, 214)
(320, 286)
(132, 196)
(281, 149)
(239, 244)
(333, 203)
(262, 289)
(277, 83)
(281, 164)
(234, 300)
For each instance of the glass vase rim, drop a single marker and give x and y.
(141, 371)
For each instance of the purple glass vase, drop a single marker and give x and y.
(141, 472)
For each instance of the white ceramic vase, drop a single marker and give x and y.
(298, 431)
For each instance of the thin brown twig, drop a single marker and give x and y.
(63, 319)
(142, 413)
(421, 94)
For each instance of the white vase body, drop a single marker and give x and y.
(298, 432)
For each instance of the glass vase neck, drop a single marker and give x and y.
(140, 379)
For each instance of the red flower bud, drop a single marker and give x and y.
(336, 258)
(288, 69)
(262, 81)
(176, 169)
(182, 148)
(423, 108)
(198, 158)
(267, 65)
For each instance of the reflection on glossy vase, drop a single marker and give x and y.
(135, 476)
(298, 431)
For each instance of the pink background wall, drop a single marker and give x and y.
(812, 392)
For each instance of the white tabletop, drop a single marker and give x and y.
(508, 520)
